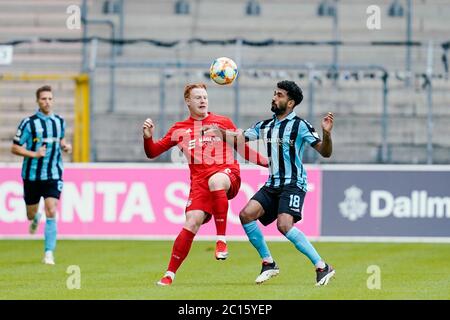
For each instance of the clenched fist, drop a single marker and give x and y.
(147, 128)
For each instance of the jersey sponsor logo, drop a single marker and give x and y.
(201, 141)
(50, 140)
(191, 144)
(209, 139)
(281, 141)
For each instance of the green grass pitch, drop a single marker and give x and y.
(130, 269)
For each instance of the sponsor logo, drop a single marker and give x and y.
(353, 207)
(384, 204)
(50, 140)
(191, 144)
(280, 141)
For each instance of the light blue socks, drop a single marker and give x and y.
(303, 245)
(50, 234)
(256, 238)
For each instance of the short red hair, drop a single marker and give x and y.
(189, 87)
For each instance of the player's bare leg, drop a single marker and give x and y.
(50, 230)
(182, 245)
(219, 184)
(34, 217)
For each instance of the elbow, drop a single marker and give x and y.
(326, 154)
(13, 150)
(149, 154)
(148, 150)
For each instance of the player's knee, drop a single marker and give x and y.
(283, 226)
(219, 182)
(50, 212)
(192, 225)
(215, 185)
(245, 216)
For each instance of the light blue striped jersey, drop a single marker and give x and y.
(285, 141)
(34, 132)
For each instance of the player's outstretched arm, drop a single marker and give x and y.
(240, 144)
(222, 133)
(252, 155)
(237, 139)
(325, 147)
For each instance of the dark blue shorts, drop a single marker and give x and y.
(287, 199)
(34, 190)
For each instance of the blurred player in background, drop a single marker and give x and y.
(42, 169)
(281, 198)
(214, 172)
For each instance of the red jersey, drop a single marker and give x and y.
(206, 154)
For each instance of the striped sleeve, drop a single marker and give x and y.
(308, 133)
(253, 133)
(23, 132)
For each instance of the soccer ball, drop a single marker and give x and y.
(223, 71)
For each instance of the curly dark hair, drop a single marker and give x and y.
(293, 90)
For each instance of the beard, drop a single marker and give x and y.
(278, 110)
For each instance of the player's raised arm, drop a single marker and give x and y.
(154, 149)
(325, 147)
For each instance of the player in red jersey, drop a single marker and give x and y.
(215, 173)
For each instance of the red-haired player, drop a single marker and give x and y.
(215, 173)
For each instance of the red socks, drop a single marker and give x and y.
(180, 249)
(220, 211)
(183, 242)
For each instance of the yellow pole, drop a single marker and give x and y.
(85, 132)
(77, 125)
(82, 119)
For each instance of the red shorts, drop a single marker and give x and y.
(200, 196)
